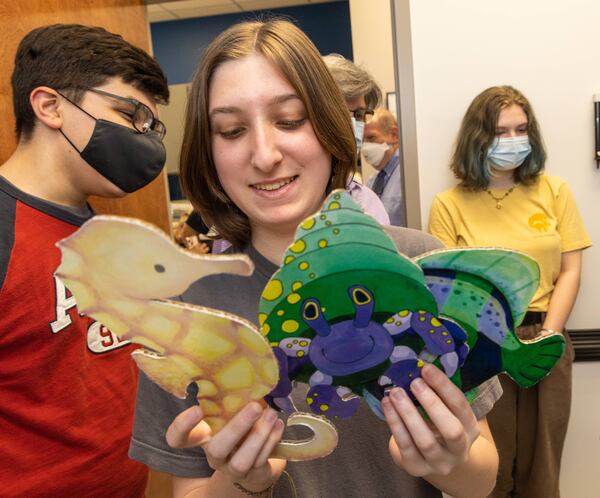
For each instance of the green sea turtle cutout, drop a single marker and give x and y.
(351, 316)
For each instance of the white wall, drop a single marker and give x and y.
(549, 50)
(372, 40)
(580, 473)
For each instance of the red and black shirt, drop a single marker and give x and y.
(67, 384)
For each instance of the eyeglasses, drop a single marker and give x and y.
(364, 115)
(142, 117)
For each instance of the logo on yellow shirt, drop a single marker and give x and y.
(539, 222)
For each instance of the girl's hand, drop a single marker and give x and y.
(436, 446)
(240, 450)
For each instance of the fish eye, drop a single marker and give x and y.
(159, 268)
(310, 311)
(360, 296)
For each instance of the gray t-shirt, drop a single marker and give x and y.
(359, 467)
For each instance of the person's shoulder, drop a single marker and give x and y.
(369, 202)
(10, 195)
(7, 228)
(451, 195)
(359, 189)
(6, 197)
(554, 183)
(362, 192)
(412, 242)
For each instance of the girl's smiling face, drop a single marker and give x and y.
(267, 156)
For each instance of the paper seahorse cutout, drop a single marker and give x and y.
(122, 272)
(351, 316)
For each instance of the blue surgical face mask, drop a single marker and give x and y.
(509, 153)
(359, 131)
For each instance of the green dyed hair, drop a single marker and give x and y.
(478, 130)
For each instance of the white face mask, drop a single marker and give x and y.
(359, 131)
(509, 153)
(374, 152)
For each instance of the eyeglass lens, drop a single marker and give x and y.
(143, 118)
(363, 115)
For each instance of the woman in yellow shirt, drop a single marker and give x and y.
(504, 200)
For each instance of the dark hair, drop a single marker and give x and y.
(72, 58)
(290, 50)
(478, 131)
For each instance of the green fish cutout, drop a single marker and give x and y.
(351, 316)
(487, 292)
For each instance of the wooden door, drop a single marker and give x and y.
(127, 18)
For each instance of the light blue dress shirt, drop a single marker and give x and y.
(391, 196)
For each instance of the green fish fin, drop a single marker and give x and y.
(513, 273)
(531, 362)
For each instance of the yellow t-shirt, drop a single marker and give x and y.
(540, 220)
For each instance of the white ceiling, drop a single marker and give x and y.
(169, 10)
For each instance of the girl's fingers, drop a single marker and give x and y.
(453, 400)
(274, 438)
(439, 444)
(408, 453)
(397, 427)
(222, 444)
(444, 421)
(188, 430)
(422, 435)
(244, 457)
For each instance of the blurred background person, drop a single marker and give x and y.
(380, 150)
(191, 232)
(362, 95)
(361, 92)
(504, 200)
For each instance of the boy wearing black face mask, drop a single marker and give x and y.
(85, 108)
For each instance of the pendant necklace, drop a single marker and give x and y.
(501, 198)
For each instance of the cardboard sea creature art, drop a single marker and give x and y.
(352, 317)
(123, 273)
(346, 314)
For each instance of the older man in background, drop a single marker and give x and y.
(380, 150)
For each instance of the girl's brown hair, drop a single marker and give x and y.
(478, 131)
(291, 51)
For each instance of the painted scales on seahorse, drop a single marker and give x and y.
(122, 273)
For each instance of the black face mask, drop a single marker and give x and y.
(127, 158)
